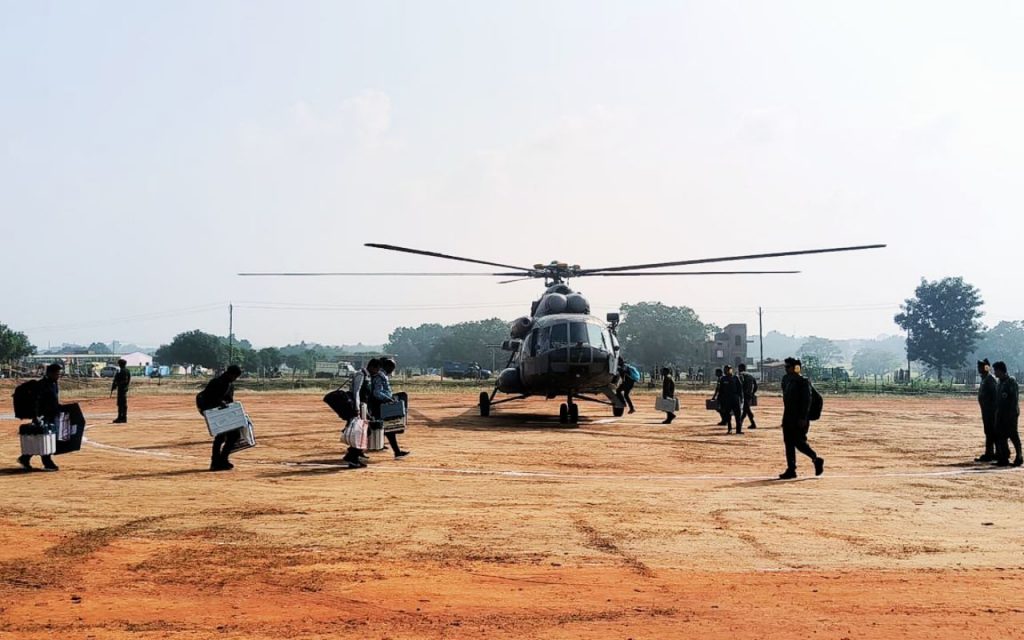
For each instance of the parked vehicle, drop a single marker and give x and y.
(109, 371)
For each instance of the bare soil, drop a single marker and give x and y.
(515, 527)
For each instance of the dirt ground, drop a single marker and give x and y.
(515, 527)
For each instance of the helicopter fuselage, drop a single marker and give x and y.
(562, 354)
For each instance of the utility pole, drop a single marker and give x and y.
(231, 332)
(760, 341)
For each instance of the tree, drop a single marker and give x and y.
(270, 358)
(470, 341)
(872, 361)
(1005, 342)
(193, 347)
(653, 334)
(414, 346)
(821, 351)
(99, 348)
(942, 322)
(14, 345)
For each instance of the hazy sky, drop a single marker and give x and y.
(149, 151)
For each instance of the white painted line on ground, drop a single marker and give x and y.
(403, 467)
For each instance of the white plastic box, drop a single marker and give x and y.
(229, 418)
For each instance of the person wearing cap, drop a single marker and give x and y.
(120, 383)
(380, 392)
(47, 408)
(988, 396)
(796, 401)
(730, 400)
(1007, 415)
(220, 392)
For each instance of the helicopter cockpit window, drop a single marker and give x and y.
(559, 336)
(597, 339)
(541, 338)
(578, 333)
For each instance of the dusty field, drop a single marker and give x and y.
(514, 527)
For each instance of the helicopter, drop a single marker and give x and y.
(560, 349)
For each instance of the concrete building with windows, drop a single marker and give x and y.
(728, 347)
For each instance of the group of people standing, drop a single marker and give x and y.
(736, 394)
(999, 397)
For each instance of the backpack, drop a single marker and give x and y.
(200, 401)
(632, 373)
(817, 403)
(25, 400)
(342, 403)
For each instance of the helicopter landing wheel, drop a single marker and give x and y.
(574, 413)
(485, 404)
(563, 413)
(618, 411)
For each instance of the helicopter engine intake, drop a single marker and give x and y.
(520, 327)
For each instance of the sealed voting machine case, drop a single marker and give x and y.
(38, 440)
(667, 404)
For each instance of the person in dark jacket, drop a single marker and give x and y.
(749, 384)
(668, 390)
(988, 395)
(220, 392)
(730, 400)
(47, 408)
(626, 383)
(380, 392)
(355, 457)
(120, 383)
(796, 401)
(1007, 416)
(715, 396)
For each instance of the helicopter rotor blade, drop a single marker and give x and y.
(361, 273)
(516, 280)
(754, 256)
(685, 273)
(434, 254)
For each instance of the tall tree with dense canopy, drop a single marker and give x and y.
(471, 342)
(822, 351)
(14, 345)
(942, 322)
(1005, 342)
(414, 346)
(872, 361)
(653, 334)
(193, 347)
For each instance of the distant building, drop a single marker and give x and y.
(728, 347)
(136, 359)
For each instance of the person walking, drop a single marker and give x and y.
(796, 401)
(1007, 416)
(47, 403)
(716, 396)
(988, 400)
(381, 393)
(120, 383)
(355, 457)
(749, 384)
(730, 400)
(220, 392)
(668, 390)
(628, 377)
